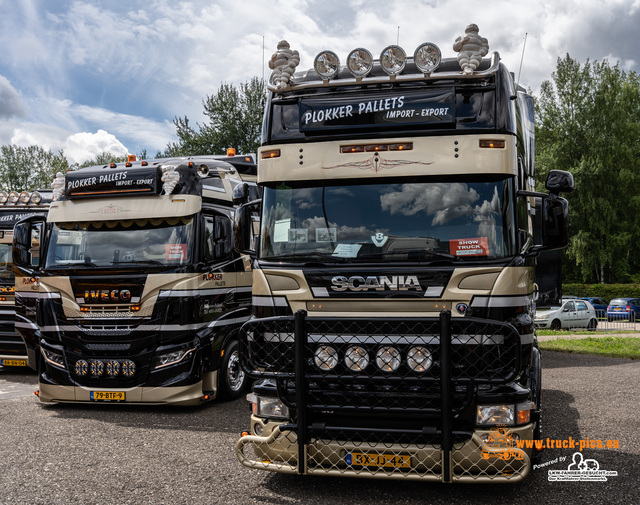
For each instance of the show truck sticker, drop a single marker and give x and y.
(469, 247)
(175, 251)
(376, 110)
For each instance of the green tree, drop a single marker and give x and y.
(29, 168)
(588, 123)
(235, 119)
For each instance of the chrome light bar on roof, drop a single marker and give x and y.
(493, 68)
(393, 61)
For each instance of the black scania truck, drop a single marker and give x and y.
(138, 293)
(395, 281)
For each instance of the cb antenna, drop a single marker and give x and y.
(522, 57)
(398, 37)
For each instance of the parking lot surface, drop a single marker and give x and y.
(113, 454)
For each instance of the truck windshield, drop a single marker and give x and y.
(420, 220)
(162, 242)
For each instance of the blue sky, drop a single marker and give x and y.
(91, 76)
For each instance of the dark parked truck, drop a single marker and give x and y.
(394, 279)
(139, 293)
(13, 207)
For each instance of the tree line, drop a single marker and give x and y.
(587, 123)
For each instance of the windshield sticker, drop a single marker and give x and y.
(175, 251)
(326, 235)
(298, 235)
(281, 230)
(347, 250)
(469, 247)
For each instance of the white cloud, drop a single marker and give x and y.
(81, 147)
(10, 100)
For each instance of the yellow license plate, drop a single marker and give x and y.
(378, 460)
(13, 362)
(108, 396)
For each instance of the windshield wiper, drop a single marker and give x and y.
(310, 256)
(141, 262)
(415, 252)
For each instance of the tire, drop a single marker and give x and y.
(593, 324)
(233, 381)
(556, 325)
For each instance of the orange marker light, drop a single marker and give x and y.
(131, 157)
(231, 151)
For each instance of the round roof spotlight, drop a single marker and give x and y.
(393, 59)
(13, 197)
(327, 64)
(359, 62)
(427, 57)
(36, 197)
(24, 197)
(3, 196)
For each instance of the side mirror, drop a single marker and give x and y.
(555, 223)
(243, 229)
(27, 244)
(240, 193)
(559, 181)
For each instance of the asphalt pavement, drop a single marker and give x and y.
(114, 454)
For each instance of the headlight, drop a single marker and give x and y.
(427, 57)
(267, 406)
(388, 358)
(359, 62)
(171, 358)
(495, 414)
(327, 64)
(53, 358)
(542, 317)
(356, 358)
(393, 59)
(419, 359)
(325, 357)
(508, 415)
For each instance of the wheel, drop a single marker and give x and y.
(233, 380)
(593, 324)
(555, 325)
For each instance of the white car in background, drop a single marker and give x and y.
(573, 313)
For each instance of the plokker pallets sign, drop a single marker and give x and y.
(138, 180)
(376, 110)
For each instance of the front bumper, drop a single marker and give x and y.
(471, 460)
(191, 395)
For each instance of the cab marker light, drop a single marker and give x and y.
(361, 148)
(273, 153)
(36, 392)
(231, 151)
(492, 144)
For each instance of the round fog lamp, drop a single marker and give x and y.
(3, 196)
(327, 64)
(97, 368)
(360, 62)
(388, 358)
(128, 368)
(427, 57)
(393, 60)
(419, 359)
(82, 367)
(24, 197)
(325, 357)
(13, 197)
(36, 197)
(356, 358)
